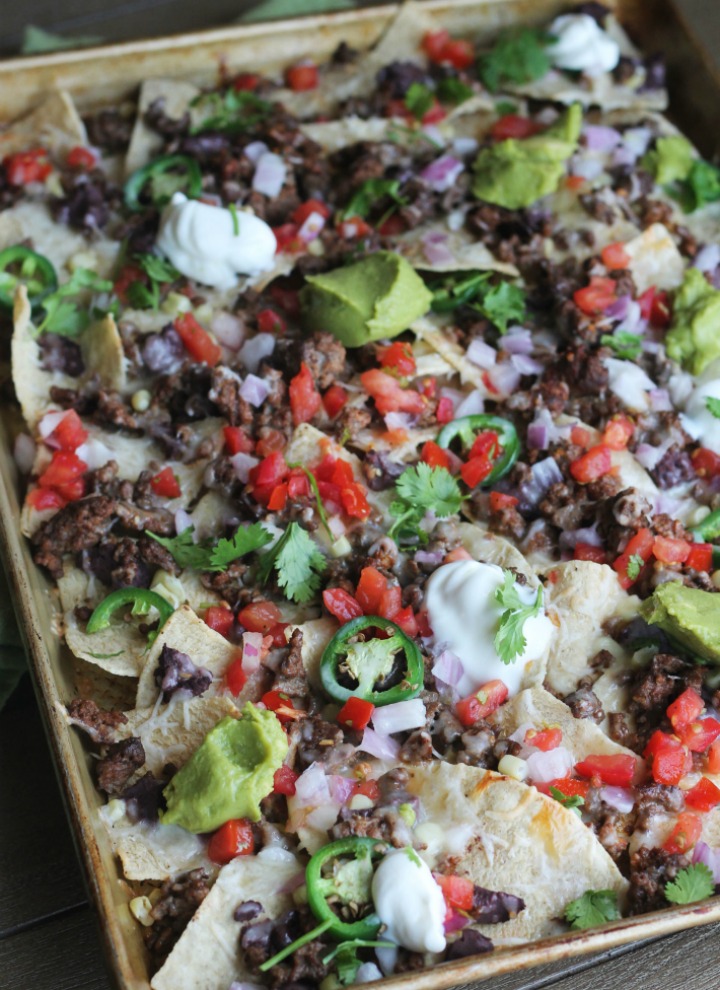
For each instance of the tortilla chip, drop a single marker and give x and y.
(335, 134)
(54, 124)
(153, 851)
(207, 956)
(467, 253)
(103, 352)
(119, 649)
(489, 547)
(655, 259)
(522, 843)
(317, 633)
(146, 143)
(429, 330)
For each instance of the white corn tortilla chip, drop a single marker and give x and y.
(655, 259)
(208, 955)
(54, 124)
(429, 330)
(57, 242)
(145, 143)
(153, 851)
(467, 252)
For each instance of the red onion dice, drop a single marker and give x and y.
(441, 174)
(381, 746)
(481, 354)
(269, 177)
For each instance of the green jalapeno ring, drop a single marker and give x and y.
(154, 170)
(340, 647)
(142, 600)
(319, 887)
(708, 529)
(465, 429)
(36, 272)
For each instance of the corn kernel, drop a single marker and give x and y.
(513, 766)
(83, 259)
(359, 802)
(140, 908)
(341, 547)
(697, 516)
(141, 400)
(175, 303)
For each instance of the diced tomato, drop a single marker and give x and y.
(476, 470)
(580, 436)
(699, 735)
(237, 440)
(592, 465)
(433, 44)
(407, 621)
(165, 484)
(618, 432)
(445, 412)
(596, 297)
(270, 472)
(220, 619)
(197, 341)
(500, 501)
(277, 634)
(393, 226)
(342, 473)
(434, 114)
(685, 709)
(69, 433)
(271, 322)
(259, 616)
(713, 757)
(459, 53)
(305, 400)
(302, 212)
(700, 557)
(287, 299)
(246, 82)
(271, 442)
(544, 739)
(233, 839)
(353, 227)
(512, 125)
(686, 833)
(617, 770)
(615, 256)
(640, 545)
(459, 892)
(670, 551)
(284, 781)
(128, 275)
(342, 604)
(586, 551)
(64, 468)
(334, 400)
(705, 462)
(282, 705)
(486, 442)
(354, 501)
(703, 796)
(370, 589)
(660, 311)
(287, 240)
(356, 712)
(235, 676)
(298, 485)
(398, 356)
(389, 396)
(27, 166)
(71, 491)
(434, 455)
(81, 157)
(302, 77)
(369, 789)
(42, 499)
(390, 602)
(645, 301)
(569, 786)
(484, 702)
(278, 497)
(459, 553)
(574, 182)
(423, 624)
(670, 759)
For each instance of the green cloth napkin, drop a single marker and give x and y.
(12, 653)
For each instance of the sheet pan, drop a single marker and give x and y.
(95, 76)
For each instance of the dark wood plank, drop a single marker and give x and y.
(39, 868)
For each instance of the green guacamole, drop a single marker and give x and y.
(694, 335)
(690, 616)
(516, 173)
(230, 773)
(670, 160)
(372, 299)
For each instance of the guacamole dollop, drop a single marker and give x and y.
(229, 774)
(690, 616)
(694, 335)
(372, 299)
(670, 160)
(515, 173)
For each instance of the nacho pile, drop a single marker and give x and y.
(371, 446)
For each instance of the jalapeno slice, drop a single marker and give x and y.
(343, 871)
(160, 179)
(142, 600)
(709, 529)
(20, 265)
(372, 663)
(465, 430)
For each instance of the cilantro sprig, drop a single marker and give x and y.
(346, 958)
(713, 406)
(510, 639)
(418, 99)
(159, 272)
(626, 345)
(595, 907)
(500, 302)
(573, 802)
(213, 556)
(453, 90)
(63, 313)
(367, 195)
(518, 56)
(694, 883)
(422, 489)
(231, 112)
(634, 566)
(298, 564)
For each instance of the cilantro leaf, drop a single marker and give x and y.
(694, 883)
(232, 112)
(595, 907)
(369, 193)
(634, 566)
(346, 957)
(510, 639)
(573, 802)
(242, 542)
(701, 186)
(626, 345)
(501, 304)
(713, 405)
(418, 99)
(62, 314)
(422, 489)
(518, 56)
(157, 268)
(453, 90)
(185, 552)
(159, 271)
(298, 564)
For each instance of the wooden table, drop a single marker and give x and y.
(48, 934)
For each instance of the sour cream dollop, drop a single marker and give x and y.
(701, 424)
(199, 239)
(409, 902)
(464, 616)
(582, 45)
